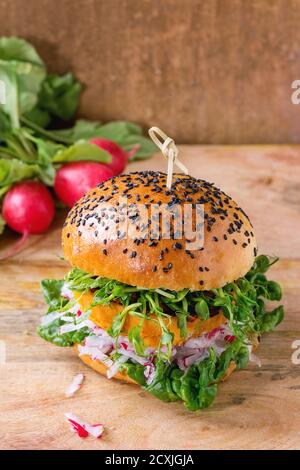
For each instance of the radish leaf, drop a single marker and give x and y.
(80, 151)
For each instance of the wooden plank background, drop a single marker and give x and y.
(214, 71)
(257, 408)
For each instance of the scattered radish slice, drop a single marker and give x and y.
(74, 385)
(82, 428)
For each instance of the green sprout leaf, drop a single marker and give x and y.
(242, 302)
(202, 309)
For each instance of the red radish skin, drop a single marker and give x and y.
(73, 180)
(78, 428)
(119, 156)
(28, 208)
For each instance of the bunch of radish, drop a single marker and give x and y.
(28, 207)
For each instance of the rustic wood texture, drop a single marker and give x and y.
(218, 71)
(255, 408)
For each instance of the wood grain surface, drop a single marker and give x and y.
(256, 408)
(214, 71)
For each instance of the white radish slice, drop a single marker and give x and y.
(82, 428)
(74, 385)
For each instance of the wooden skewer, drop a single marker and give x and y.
(169, 151)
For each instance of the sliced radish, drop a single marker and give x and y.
(74, 385)
(82, 428)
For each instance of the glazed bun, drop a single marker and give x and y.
(94, 242)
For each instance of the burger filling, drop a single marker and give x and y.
(177, 345)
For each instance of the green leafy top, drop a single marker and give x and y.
(14, 48)
(242, 302)
(22, 71)
(35, 100)
(197, 386)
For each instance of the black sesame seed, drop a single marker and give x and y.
(177, 246)
(191, 255)
(104, 252)
(125, 250)
(133, 254)
(234, 241)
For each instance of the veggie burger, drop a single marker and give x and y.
(155, 308)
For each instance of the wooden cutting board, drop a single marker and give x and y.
(257, 408)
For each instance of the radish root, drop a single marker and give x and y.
(133, 151)
(16, 247)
